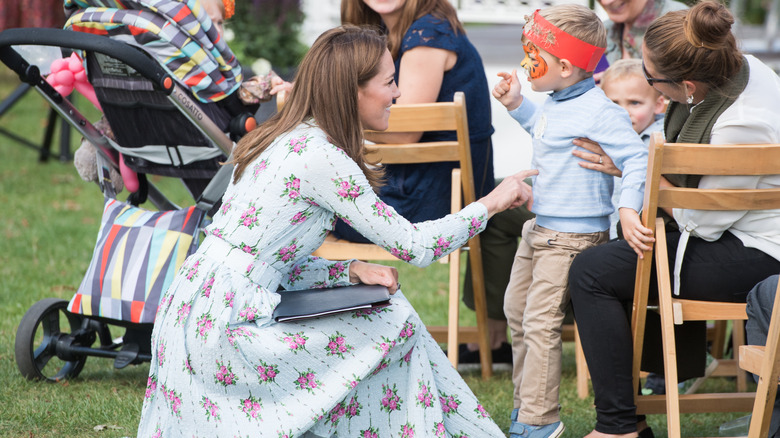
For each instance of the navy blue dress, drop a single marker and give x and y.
(421, 192)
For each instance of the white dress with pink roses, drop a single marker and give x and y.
(222, 367)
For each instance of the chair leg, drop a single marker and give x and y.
(737, 340)
(453, 315)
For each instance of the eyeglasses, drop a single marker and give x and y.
(650, 80)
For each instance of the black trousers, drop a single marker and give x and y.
(601, 282)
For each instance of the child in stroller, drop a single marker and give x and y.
(168, 107)
(210, 71)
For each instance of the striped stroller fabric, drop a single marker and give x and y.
(177, 33)
(135, 259)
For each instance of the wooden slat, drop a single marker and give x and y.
(702, 199)
(684, 158)
(694, 310)
(430, 152)
(699, 403)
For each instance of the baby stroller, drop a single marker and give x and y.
(168, 118)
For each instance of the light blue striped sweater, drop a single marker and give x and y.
(567, 197)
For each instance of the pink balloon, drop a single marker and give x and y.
(62, 89)
(64, 77)
(74, 63)
(85, 88)
(57, 65)
(129, 177)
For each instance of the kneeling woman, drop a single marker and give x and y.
(223, 367)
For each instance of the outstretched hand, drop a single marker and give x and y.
(372, 273)
(508, 90)
(511, 193)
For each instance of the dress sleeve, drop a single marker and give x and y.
(430, 31)
(316, 272)
(332, 180)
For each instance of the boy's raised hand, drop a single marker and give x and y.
(507, 91)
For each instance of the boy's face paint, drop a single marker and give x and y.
(533, 63)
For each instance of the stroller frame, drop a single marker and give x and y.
(46, 315)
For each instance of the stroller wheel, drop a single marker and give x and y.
(46, 324)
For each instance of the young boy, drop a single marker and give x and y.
(572, 204)
(624, 83)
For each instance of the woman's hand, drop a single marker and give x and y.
(637, 235)
(596, 158)
(371, 273)
(512, 192)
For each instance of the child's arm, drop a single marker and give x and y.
(508, 90)
(637, 235)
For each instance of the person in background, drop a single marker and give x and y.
(563, 45)
(717, 96)
(627, 21)
(434, 58)
(624, 83)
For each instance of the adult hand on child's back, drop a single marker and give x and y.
(372, 273)
(508, 90)
(595, 157)
(511, 193)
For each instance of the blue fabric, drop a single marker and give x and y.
(568, 197)
(421, 192)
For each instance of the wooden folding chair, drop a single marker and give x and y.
(441, 116)
(692, 159)
(764, 362)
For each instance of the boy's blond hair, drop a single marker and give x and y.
(625, 68)
(578, 21)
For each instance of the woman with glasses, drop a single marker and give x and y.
(718, 96)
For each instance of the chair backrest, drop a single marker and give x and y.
(440, 116)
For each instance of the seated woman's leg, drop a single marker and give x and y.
(601, 283)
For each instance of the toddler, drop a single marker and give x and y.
(624, 83)
(563, 45)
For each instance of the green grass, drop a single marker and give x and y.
(50, 224)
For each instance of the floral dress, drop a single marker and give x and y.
(222, 367)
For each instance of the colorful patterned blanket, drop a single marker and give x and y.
(178, 33)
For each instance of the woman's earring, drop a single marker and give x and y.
(689, 99)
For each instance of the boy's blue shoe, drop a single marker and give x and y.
(522, 430)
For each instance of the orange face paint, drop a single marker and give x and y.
(533, 63)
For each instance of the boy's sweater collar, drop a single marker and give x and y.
(573, 91)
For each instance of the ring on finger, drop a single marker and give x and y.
(601, 159)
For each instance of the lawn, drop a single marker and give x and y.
(51, 222)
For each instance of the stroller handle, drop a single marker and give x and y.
(136, 58)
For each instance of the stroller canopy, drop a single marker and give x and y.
(179, 33)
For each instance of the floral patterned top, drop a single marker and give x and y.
(281, 209)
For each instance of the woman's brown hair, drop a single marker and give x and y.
(325, 89)
(695, 45)
(356, 12)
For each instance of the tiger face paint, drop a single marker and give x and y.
(534, 64)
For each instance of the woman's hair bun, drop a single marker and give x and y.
(708, 25)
